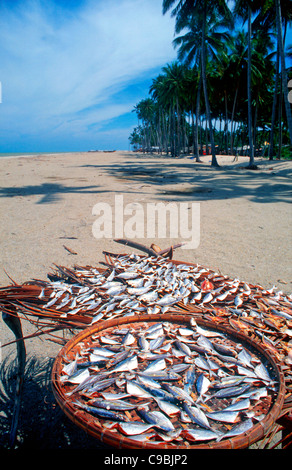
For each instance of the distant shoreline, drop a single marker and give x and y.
(37, 154)
(31, 154)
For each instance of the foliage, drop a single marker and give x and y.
(174, 118)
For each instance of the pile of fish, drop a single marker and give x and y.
(168, 382)
(131, 284)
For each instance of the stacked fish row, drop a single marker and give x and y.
(132, 284)
(165, 382)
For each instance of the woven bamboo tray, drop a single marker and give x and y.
(95, 427)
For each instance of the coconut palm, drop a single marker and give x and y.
(172, 93)
(234, 73)
(183, 10)
(267, 12)
(145, 110)
(282, 60)
(243, 9)
(157, 92)
(190, 45)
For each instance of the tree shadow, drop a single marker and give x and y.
(50, 192)
(42, 423)
(200, 181)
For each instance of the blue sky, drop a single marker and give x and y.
(72, 70)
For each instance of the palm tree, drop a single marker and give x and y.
(244, 9)
(144, 110)
(234, 74)
(282, 59)
(201, 9)
(268, 10)
(190, 46)
(193, 91)
(157, 92)
(171, 92)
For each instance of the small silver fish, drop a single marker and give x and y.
(207, 333)
(238, 301)
(197, 415)
(128, 275)
(183, 347)
(186, 331)
(116, 290)
(133, 428)
(167, 300)
(224, 416)
(102, 352)
(42, 294)
(206, 344)
(138, 290)
(50, 303)
(201, 362)
(115, 405)
(158, 419)
(230, 392)
(155, 366)
(128, 339)
(179, 393)
(202, 385)
(101, 412)
(190, 378)
(240, 428)
(207, 298)
(156, 343)
(262, 372)
(135, 390)
(77, 377)
(168, 408)
(143, 343)
(70, 368)
(199, 434)
(149, 296)
(239, 405)
(128, 364)
(221, 296)
(245, 358)
(148, 381)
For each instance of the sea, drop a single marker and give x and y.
(30, 154)
(27, 154)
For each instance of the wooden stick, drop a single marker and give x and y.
(14, 323)
(138, 246)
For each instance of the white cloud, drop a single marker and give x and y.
(56, 65)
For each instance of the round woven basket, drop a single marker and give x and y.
(94, 427)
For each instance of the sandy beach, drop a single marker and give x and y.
(47, 202)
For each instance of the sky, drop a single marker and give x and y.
(71, 71)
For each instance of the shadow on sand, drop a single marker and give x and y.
(42, 423)
(177, 179)
(181, 180)
(50, 193)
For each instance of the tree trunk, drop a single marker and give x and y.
(273, 118)
(232, 121)
(255, 123)
(280, 135)
(197, 119)
(249, 112)
(178, 126)
(283, 68)
(226, 124)
(204, 78)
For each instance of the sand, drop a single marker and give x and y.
(47, 202)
